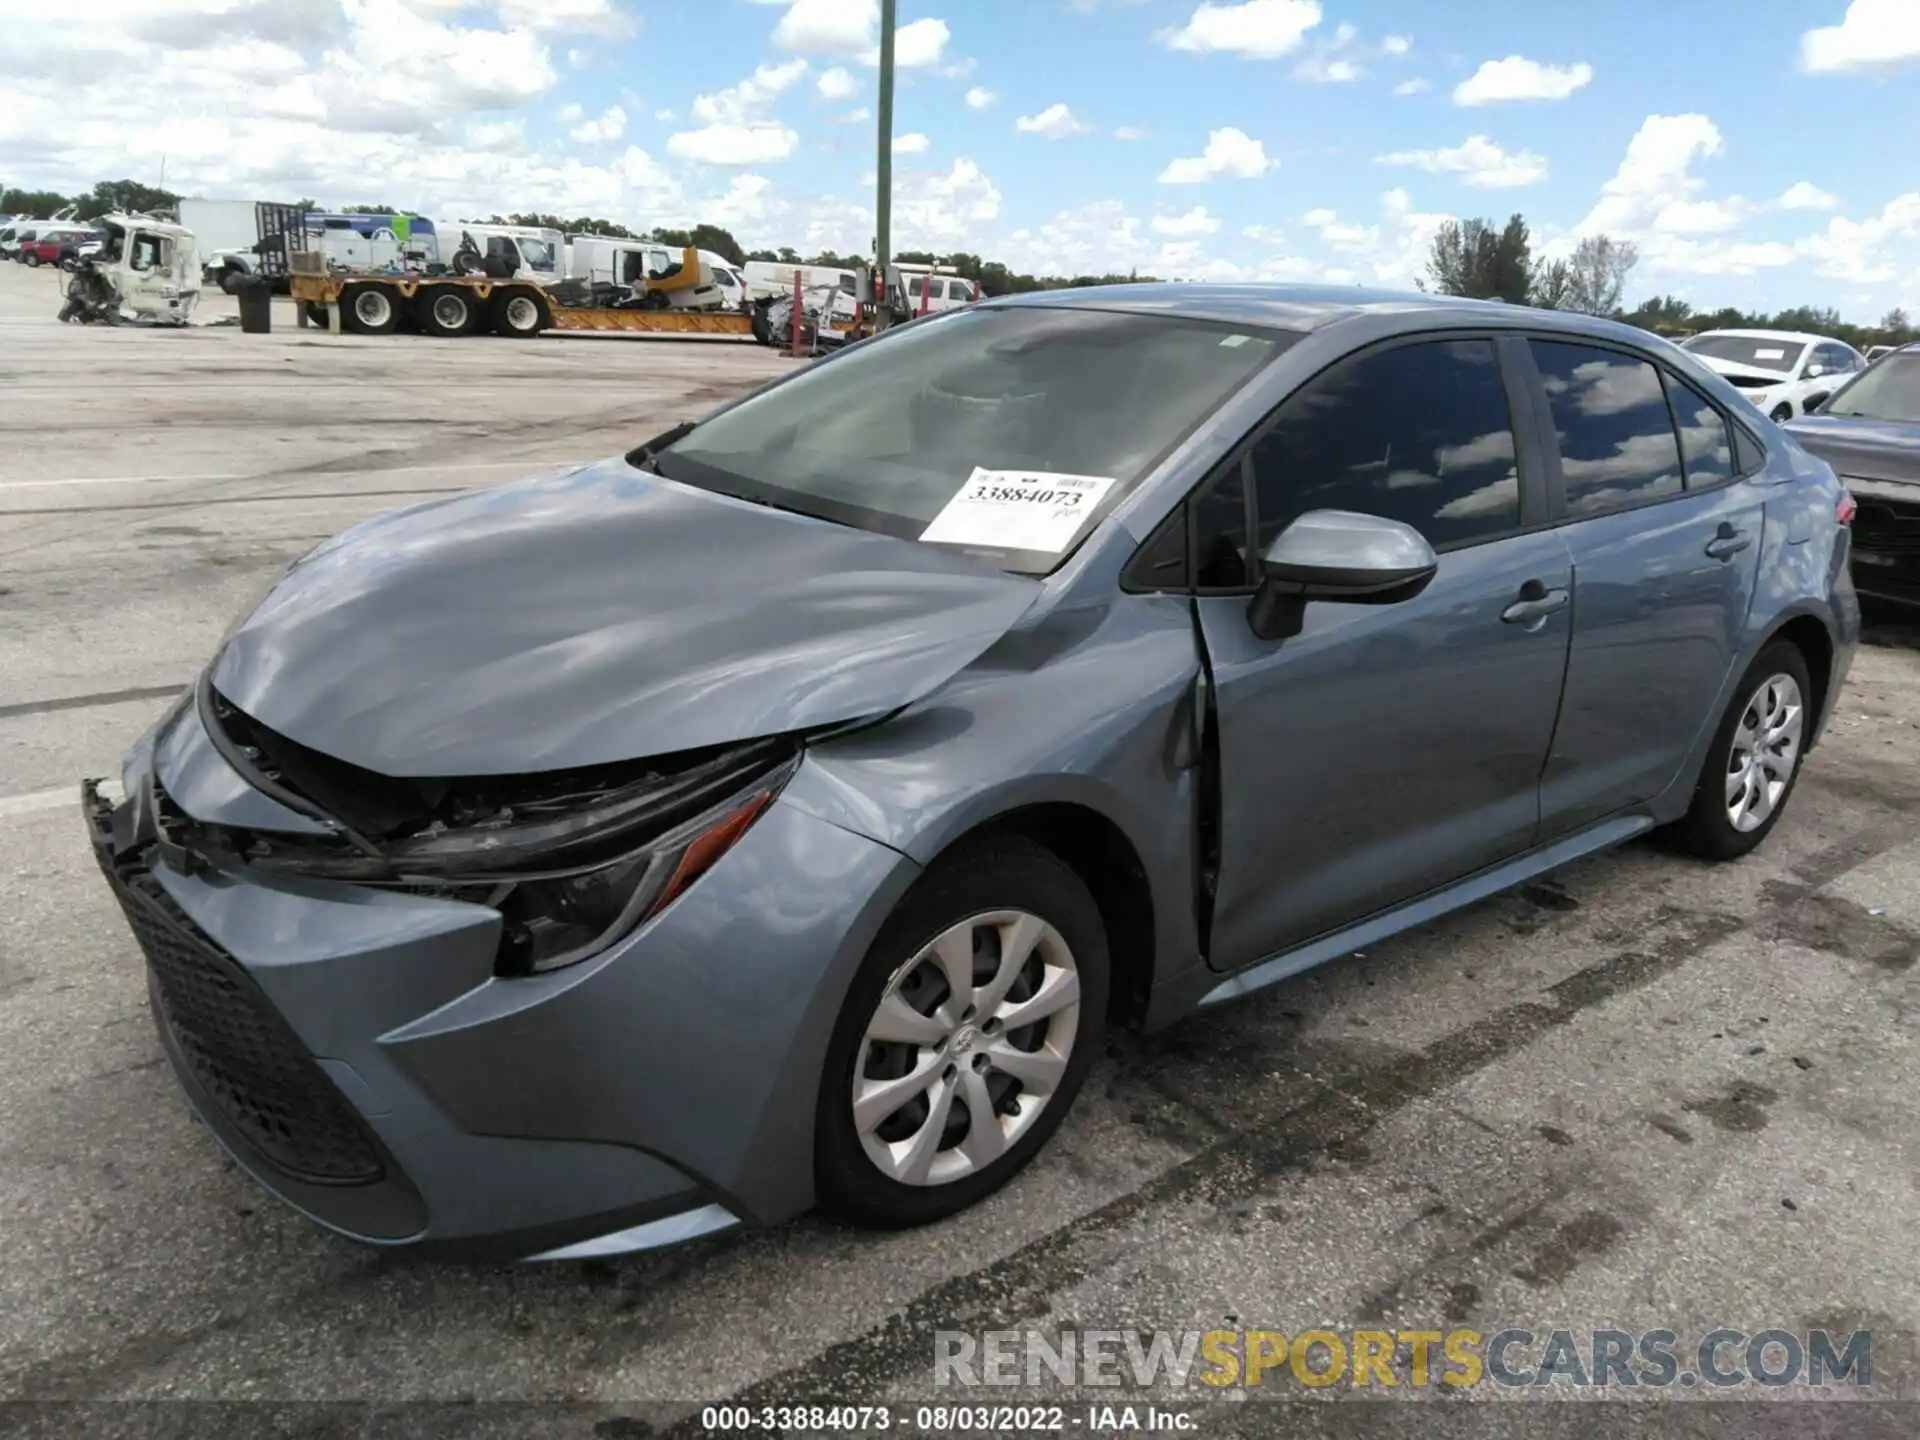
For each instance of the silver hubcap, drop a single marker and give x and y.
(1766, 747)
(372, 307)
(522, 313)
(450, 311)
(968, 1045)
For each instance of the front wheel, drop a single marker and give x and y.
(33, 260)
(964, 1039)
(1754, 760)
(445, 310)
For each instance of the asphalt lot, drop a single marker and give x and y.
(1645, 1094)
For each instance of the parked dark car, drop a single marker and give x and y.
(1870, 433)
(780, 813)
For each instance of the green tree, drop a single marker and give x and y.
(387, 210)
(124, 195)
(37, 203)
(1553, 286)
(1895, 328)
(1598, 274)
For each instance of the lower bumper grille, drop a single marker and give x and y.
(247, 1061)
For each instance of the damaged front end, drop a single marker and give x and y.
(572, 860)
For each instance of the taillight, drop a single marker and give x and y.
(1845, 508)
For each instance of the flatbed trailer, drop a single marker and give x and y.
(453, 305)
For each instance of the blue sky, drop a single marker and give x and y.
(1759, 153)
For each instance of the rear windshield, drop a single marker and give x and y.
(1761, 353)
(1004, 432)
(1889, 391)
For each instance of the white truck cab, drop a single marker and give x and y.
(630, 264)
(154, 264)
(525, 252)
(929, 289)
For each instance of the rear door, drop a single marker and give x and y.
(1666, 539)
(1385, 750)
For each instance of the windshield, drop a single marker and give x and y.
(1889, 391)
(537, 253)
(1761, 352)
(1002, 432)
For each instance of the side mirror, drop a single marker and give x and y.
(1341, 556)
(1813, 371)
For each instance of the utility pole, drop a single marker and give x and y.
(883, 171)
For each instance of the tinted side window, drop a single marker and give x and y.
(1617, 446)
(1705, 445)
(1418, 433)
(1747, 451)
(1218, 518)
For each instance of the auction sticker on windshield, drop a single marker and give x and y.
(1018, 509)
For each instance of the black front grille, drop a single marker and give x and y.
(247, 1061)
(1887, 527)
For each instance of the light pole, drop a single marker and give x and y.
(883, 171)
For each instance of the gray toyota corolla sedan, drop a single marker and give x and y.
(778, 815)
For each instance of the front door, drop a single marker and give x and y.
(1666, 541)
(1385, 750)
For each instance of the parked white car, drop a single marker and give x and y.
(1785, 373)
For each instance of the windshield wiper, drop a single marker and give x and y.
(644, 458)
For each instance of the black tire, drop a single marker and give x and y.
(518, 314)
(316, 313)
(33, 259)
(445, 310)
(1002, 872)
(369, 309)
(1707, 829)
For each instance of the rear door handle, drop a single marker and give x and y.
(1536, 602)
(1728, 543)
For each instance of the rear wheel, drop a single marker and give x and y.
(1754, 761)
(964, 1039)
(369, 309)
(33, 259)
(517, 315)
(445, 310)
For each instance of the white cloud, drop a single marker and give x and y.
(912, 143)
(979, 98)
(1872, 34)
(828, 27)
(1804, 195)
(1318, 69)
(1397, 45)
(1264, 234)
(1478, 162)
(1518, 78)
(1056, 122)
(837, 83)
(852, 28)
(570, 114)
(1655, 173)
(916, 46)
(1194, 223)
(738, 129)
(579, 57)
(1319, 218)
(611, 125)
(744, 201)
(1413, 87)
(1231, 154)
(857, 116)
(1873, 251)
(1262, 29)
(944, 210)
(1129, 132)
(599, 17)
(721, 144)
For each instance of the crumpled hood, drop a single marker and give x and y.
(1734, 370)
(1868, 449)
(601, 615)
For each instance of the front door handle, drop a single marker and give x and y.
(1535, 604)
(1728, 542)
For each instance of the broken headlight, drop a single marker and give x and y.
(571, 868)
(560, 919)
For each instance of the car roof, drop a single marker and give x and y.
(1799, 337)
(1302, 307)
